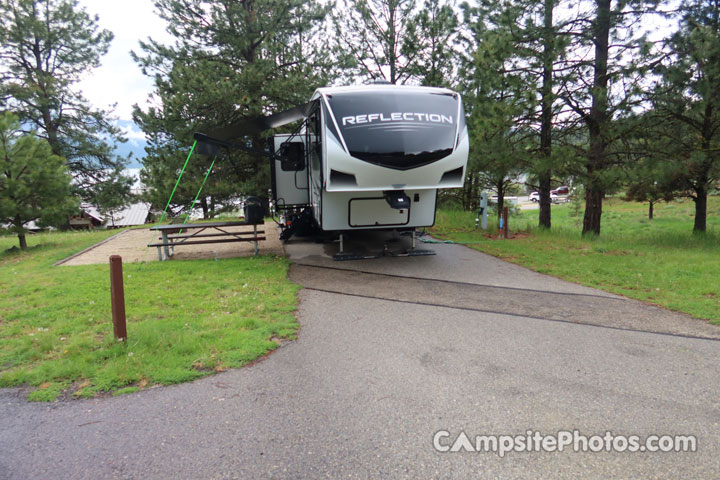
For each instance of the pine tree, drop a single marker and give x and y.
(687, 102)
(547, 57)
(606, 78)
(437, 29)
(398, 41)
(377, 39)
(46, 47)
(229, 61)
(113, 195)
(650, 176)
(537, 44)
(494, 101)
(34, 183)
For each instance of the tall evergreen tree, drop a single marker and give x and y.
(230, 60)
(538, 43)
(609, 63)
(535, 44)
(544, 59)
(495, 101)
(687, 101)
(398, 41)
(377, 39)
(436, 36)
(46, 47)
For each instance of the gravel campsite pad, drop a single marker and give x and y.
(131, 245)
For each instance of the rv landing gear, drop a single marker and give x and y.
(386, 252)
(300, 224)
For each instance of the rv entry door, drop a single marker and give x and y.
(290, 172)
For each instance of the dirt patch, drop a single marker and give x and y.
(131, 245)
(513, 236)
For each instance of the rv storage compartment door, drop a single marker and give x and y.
(375, 212)
(290, 174)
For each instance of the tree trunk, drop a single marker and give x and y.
(475, 201)
(597, 120)
(205, 208)
(650, 210)
(501, 198)
(467, 192)
(21, 232)
(392, 60)
(545, 204)
(42, 85)
(700, 210)
(701, 190)
(23, 241)
(546, 115)
(593, 211)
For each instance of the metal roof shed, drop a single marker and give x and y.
(135, 214)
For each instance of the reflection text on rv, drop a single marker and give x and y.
(397, 117)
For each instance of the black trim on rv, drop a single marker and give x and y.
(397, 129)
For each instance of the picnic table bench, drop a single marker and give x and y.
(172, 236)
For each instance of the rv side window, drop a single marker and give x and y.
(292, 157)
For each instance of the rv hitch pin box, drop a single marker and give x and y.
(397, 200)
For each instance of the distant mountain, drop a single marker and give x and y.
(135, 144)
(135, 173)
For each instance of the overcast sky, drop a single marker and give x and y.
(119, 80)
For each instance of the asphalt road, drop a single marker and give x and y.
(390, 352)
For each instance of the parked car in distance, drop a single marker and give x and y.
(564, 190)
(535, 196)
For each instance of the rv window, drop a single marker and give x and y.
(292, 157)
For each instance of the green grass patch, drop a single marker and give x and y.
(185, 319)
(659, 261)
(125, 391)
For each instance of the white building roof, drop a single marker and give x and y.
(135, 214)
(92, 211)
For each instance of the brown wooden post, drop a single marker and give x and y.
(505, 223)
(117, 297)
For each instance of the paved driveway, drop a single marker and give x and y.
(383, 362)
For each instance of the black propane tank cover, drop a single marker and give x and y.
(254, 210)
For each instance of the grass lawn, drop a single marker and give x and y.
(658, 261)
(186, 319)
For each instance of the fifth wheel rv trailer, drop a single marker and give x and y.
(364, 157)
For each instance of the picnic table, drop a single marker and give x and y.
(173, 236)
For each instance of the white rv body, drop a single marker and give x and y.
(374, 157)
